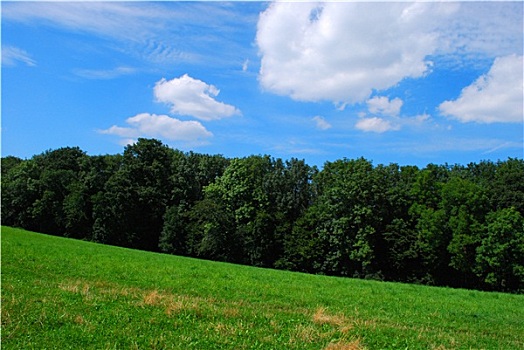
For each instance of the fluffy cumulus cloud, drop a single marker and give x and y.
(160, 126)
(375, 124)
(496, 97)
(386, 115)
(193, 97)
(338, 52)
(384, 106)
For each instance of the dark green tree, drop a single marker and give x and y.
(191, 173)
(212, 233)
(500, 256)
(465, 205)
(35, 190)
(346, 211)
(79, 205)
(8, 163)
(131, 209)
(242, 192)
(507, 187)
(20, 189)
(429, 220)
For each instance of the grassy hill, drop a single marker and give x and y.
(67, 294)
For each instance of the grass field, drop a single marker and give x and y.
(67, 294)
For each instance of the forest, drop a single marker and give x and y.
(445, 225)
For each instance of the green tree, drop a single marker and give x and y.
(9, 163)
(406, 253)
(212, 233)
(242, 192)
(507, 187)
(465, 205)
(131, 209)
(20, 189)
(500, 256)
(304, 246)
(292, 195)
(346, 211)
(35, 190)
(191, 173)
(399, 250)
(79, 205)
(173, 238)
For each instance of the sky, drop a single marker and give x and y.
(405, 83)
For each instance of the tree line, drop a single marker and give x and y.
(459, 226)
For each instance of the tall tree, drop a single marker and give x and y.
(191, 173)
(465, 205)
(500, 256)
(131, 210)
(293, 194)
(346, 212)
(243, 193)
(79, 205)
(429, 221)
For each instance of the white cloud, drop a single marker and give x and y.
(376, 124)
(157, 32)
(130, 21)
(496, 97)
(121, 131)
(160, 126)
(341, 52)
(193, 97)
(245, 65)
(443, 143)
(103, 74)
(11, 56)
(321, 123)
(386, 116)
(384, 106)
(482, 28)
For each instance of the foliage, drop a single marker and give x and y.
(501, 252)
(444, 225)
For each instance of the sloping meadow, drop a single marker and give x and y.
(59, 293)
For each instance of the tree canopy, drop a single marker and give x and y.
(459, 225)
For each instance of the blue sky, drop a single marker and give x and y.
(407, 83)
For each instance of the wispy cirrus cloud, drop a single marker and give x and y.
(12, 56)
(152, 31)
(104, 74)
(131, 21)
(433, 145)
(483, 29)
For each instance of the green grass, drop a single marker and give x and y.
(63, 294)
